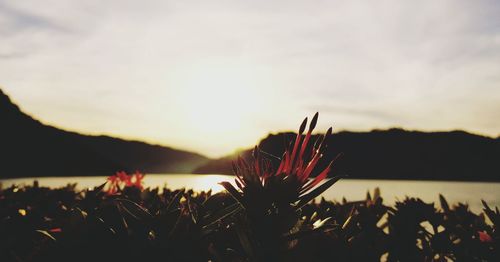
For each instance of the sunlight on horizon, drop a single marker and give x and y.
(352, 189)
(217, 101)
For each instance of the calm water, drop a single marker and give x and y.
(351, 189)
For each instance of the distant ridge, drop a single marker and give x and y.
(395, 154)
(29, 148)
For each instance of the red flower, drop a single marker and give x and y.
(136, 180)
(484, 237)
(121, 180)
(288, 183)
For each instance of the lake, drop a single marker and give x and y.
(351, 189)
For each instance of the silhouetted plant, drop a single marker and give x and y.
(42, 224)
(271, 198)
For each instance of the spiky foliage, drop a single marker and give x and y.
(65, 224)
(271, 198)
(259, 182)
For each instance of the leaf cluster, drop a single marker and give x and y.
(64, 224)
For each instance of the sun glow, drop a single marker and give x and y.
(219, 102)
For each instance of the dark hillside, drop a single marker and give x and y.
(397, 154)
(30, 148)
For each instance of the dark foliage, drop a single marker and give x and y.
(267, 216)
(42, 224)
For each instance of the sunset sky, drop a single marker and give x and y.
(215, 76)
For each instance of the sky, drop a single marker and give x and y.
(217, 76)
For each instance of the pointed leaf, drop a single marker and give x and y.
(134, 209)
(313, 121)
(316, 192)
(192, 211)
(306, 233)
(222, 214)
(303, 126)
(232, 191)
(175, 199)
(47, 234)
(376, 194)
(444, 203)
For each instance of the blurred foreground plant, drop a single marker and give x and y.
(122, 180)
(64, 224)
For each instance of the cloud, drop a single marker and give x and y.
(385, 117)
(364, 64)
(16, 20)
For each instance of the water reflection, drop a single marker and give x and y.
(174, 181)
(351, 189)
(195, 182)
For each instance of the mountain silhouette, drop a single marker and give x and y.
(393, 154)
(32, 149)
(29, 148)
